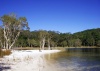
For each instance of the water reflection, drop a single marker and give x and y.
(76, 59)
(96, 50)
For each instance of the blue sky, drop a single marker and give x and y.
(58, 15)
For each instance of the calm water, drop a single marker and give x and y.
(79, 59)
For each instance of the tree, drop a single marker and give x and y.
(42, 37)
(55, 37)
(49, 36)
(1, 38)
(12, 26)
(70, 43)
(98, 43)
(32, 42)
(77, 42)
(89, 37)
(52, 44)
(64, 43)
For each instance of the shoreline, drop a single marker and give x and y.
(26, 60)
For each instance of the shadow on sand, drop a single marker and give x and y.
(4, 67)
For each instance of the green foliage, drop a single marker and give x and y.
(84, 38)
(64, 43)
(11, 27)
(98, 43)
(89, 37)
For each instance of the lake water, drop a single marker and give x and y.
(76, 59)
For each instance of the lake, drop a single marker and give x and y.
(76, 59)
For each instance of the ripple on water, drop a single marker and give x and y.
(66, 61)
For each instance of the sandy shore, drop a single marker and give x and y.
(27, 60)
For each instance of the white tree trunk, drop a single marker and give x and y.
(1, 44)
(14, 40)
(7, 37)
(48, 44)
(4, 45)
(40, 44)
(43, 43)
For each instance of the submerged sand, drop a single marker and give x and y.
(27, 60)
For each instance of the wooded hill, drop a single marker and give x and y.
(90, 37)
(14, 32)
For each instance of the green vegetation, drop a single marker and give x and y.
(11, 35)
(89, 37)
(10, 29)
(56, 39)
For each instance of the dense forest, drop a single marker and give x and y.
(90, 37)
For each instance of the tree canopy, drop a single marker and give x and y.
(84, 38)
(11, 27)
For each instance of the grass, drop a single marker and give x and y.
(3, 53)
(37, 48)
(26, 48)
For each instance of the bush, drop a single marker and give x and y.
(5, 52)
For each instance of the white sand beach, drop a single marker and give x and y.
(27, 60)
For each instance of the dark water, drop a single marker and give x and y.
(77, 59)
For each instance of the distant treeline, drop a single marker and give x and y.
(89, 37)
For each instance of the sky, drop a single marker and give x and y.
(55, 15)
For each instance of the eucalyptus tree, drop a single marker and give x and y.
(98, 43)
(49, 36)
(42, 38)
(64, 43)
(55, 38)
(77, 42)
(12, 26)
(32, 42)
(1, 38)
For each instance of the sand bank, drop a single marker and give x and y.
(27, 60)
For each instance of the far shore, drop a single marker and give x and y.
(53, 48)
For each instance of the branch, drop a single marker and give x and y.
(14, 40)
